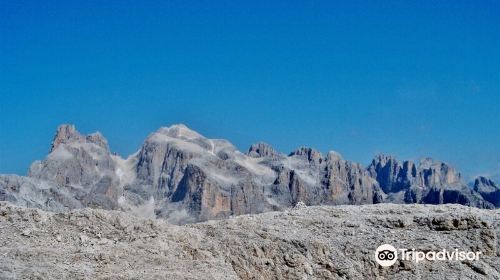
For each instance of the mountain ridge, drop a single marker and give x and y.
(179, 174)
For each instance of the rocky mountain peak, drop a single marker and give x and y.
(387, 171)
(488, 190)
(98, 139)
(262, 149)
(432, 164)
(437, 173)
(78, 160)
(383, 159)
(427, 163)
(334, 156)
(65, 133)
(483, 184)
(179, 131)
(310, 154)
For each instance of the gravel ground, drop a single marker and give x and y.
(322, 242)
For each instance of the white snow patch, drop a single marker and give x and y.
(60, 154)
(180, 131)
(307, 177)
(300, 167)
(264, 175)
(222, 145)
(221, 176)
(253, 165)
(223, 179)
(179, 143)
(212, 149)
(124, 169)
(95, 151)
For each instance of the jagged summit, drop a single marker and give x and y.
(67, 133)
(64, 133)
(488, 189)
(262, 149)
(180, 175)
(179, 131)
(428, 162)
(383, 158)
(485, 184)
(334, 156)
(312, 155)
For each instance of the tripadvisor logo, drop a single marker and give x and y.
(387, 255)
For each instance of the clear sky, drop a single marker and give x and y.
(408, 78)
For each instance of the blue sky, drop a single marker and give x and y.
(409, 78)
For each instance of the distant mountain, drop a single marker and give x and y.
(488, 190)
(183, 176)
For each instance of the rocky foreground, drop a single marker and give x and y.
(322, 242)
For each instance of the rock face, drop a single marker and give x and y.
(29, 192)
(182, 176)
(81, 166)
(430, 181)
(392, 175)
(307, 176)
(488, 189)
(207, 177)
(262, 149)
(320, 242)
(74, 158)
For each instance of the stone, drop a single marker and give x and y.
(488, 189)
(262, 149)
(313, 243)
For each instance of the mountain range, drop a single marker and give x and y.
(182, 176)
